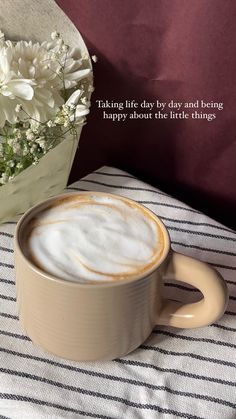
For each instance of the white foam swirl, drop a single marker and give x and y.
(94, 238)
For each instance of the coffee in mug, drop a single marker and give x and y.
(90, 268)
(94, 238)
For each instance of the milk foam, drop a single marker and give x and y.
(94, 238)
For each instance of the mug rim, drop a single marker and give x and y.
(89, 285)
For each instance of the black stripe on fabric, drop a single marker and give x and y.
(200, 233)
(189, 355)
(230, 313)
(232, 268)
(105, 376)
(10, 222)
(193, 339)
(39, 402)
(6, 249)
(163, 204)
(9, 316)
(184, 288)
(7, 297)
(227, 328)
(7, 281)
(2, 233)
(175, 371)
(128, 188)
(102, 375)
(230, 282)
(197, 224)
(121, 399)
(181, 287)
(4, 417)
(14, 335)
(96, 394)
(205, 249)
(6, 265)
(114, 174)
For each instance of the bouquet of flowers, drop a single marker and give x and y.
(45, 91)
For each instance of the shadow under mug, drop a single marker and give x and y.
(88, 322)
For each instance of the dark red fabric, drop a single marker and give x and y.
(166, 49)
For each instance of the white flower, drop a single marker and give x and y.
(31, 78)
(85, 56)
(14, 143)
(58, 71)
(55, 35)
(33, 148)
(18, 108)
(41, 142)
(25, 151)
(59, 120)
(29, 135)
(12, 87)
(80, 109)
(73, 60)
(17, 133)
(34, 126)
(4, 178)
(37, 62)
(16, 149)
(11, 141)
(65, 48)
(33, 62)
(74, 98)
(10, 163)
(65, 109)
(90, 88)
(84, 100)
(54, 57)
(50, 123)
(36, 160)
(2, 39)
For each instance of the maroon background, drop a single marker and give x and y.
(166, 49)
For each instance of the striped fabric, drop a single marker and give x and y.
(176, 373)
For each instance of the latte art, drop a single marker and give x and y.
(94, 238)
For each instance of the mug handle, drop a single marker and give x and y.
(202, 276)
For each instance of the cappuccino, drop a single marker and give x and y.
(94, 238)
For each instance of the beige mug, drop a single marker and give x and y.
(88, 322)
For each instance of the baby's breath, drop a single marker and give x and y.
(55, 35)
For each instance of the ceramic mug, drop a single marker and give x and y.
(88, 322)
